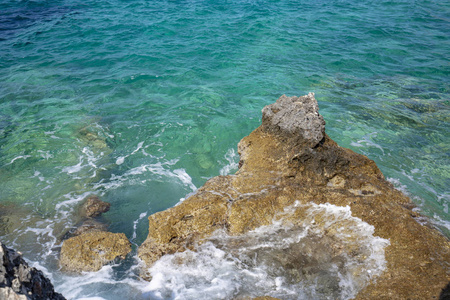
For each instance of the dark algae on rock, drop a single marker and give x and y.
(18, 281)
(292, 173)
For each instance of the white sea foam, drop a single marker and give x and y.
(141, 216)
(71, 200)
(233, 159)
(75, 287)
(220, 270)
(366, 141)
(74, 168)
(38, 175)
(120, 160)
(18, 157)
(87, 159)
(399, 186)
(158, 169)
(185, 178)
(439, 222)
(45, 154)
(442, 199)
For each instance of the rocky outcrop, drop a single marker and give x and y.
(18, 281)
(92, 250)
(289, 160)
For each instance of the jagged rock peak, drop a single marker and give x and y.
(18, 281)
(297, 118)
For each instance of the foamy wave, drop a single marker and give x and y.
(77, 287)
(233, 159)
(86, 160)
(158, 169)
(18, 157)
(281, 260)
(441, 223)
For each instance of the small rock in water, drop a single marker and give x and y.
(92, 250)
(88, 218)
(94, 207)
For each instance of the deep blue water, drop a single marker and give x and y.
(140, 102)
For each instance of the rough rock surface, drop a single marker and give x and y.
(89, 218)
(94, 207)
(290, 158)
(21, 282)
(92, 250)
(297, 118)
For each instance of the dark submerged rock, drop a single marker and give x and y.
(445, 293)
(89, 225)
(19, 281)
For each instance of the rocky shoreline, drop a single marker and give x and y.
(18, 281)
(350, 219)
(290, 159)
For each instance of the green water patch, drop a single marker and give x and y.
(141, 102)
(401, 123)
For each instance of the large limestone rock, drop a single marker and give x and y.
(289, 159)
(18, 281)
(92, 250)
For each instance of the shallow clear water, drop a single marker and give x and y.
(140, 102)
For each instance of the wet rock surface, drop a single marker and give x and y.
(89, 246)
(89, 218)
(92, 250)
(94, 207)
(19, 281)
(286, 161)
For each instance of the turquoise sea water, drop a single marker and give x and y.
(140, 102)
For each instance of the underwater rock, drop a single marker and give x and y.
(11, 217)
(88, 218)
(94, 207)
(92, 250)
(290, 160)
(93, 138)
(19, 281)
(89, 225)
